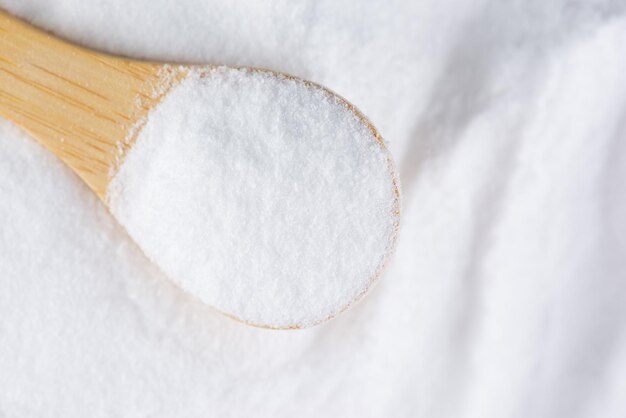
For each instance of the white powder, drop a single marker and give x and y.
(504, 299)
(265, 196)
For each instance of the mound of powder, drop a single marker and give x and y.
(264, 196)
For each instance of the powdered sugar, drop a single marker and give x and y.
(267, 197)
(505, 297)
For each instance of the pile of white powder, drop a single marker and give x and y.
(264, 196)
(504, 298)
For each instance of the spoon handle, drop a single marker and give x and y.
(80, 104)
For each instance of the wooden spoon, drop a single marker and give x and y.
(87, 107)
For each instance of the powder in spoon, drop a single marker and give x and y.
(264, 196)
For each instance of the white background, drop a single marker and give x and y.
(507, 294)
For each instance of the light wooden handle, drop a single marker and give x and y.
(78, 103)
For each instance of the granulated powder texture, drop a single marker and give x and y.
(265, 196)
(505, 297)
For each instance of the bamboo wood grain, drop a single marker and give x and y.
(80, 104)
